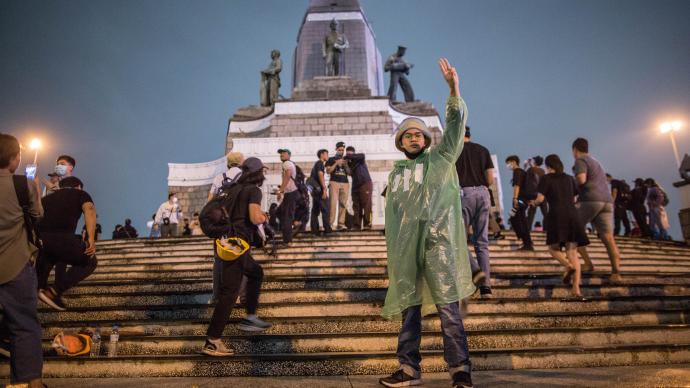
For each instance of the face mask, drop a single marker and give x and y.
(174, 199)
(509, 166)
(61, 169)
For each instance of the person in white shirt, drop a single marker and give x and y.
(168, 215)
(234, 161)
(288, 194)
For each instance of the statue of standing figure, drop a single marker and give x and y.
(333, 45)
(270, 80)
(399, 69)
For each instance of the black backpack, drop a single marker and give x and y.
(21, 187)
(227, 183)
(529, 190)
(215, 219)
(299, 180)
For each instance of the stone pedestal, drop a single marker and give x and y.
(684, 213)
(330, 88)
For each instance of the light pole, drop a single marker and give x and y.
(671, 127)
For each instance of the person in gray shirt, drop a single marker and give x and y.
(595, 205)
(18, 284)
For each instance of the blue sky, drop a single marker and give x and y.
(128, 86)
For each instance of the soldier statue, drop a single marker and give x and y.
(333, 45)
(270, 80)
(399, 70)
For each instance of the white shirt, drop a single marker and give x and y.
(290, 166)
(231, 174)
(171, 211)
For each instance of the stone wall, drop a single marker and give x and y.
(191, 198)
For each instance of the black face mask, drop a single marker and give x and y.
(413, 156)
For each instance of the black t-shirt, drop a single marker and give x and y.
(62, 210)
(339, 174)
(560, 191)
(318, 167)
(240, 216)
(621, 198)
(519, 176)
(472, 165)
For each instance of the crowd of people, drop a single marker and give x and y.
(429, 263)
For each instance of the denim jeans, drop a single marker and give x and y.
(320, 206)
(18, 299)
(455, 350)
(476, 206)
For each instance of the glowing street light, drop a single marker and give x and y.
(671, 127)
(35, 145)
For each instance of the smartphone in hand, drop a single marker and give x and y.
(31, 171)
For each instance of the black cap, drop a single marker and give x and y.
(280, 151)
(253, 164)
(340, 144)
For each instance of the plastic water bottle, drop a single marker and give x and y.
(114, 337)
(96, 342)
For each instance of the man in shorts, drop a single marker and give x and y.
(595, 205)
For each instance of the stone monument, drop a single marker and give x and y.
(332, 47)
(399, 70)
(320, 112)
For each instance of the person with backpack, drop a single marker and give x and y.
(535, 172)
(636, 205)
(234, 160)
(20, 208)
(524, 191)
(657, 200)
(289, 194)
(620, 191)
(242, 204)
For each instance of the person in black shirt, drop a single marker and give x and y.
(563, 225)
(638, 196)
(319, 194)
(339, 186)
(99, 231)
(520, 204)
(362, 189)
(538, 172)
(620, 191)
(61, 247)
(475, 174)
(130, 231)
(245, 215)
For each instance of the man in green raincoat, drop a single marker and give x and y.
(426, 241)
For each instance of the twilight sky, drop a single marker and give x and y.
(128, 86)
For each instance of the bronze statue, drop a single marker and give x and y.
(333, 45)
(270, 80)
(399, 70)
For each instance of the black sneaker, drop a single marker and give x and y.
(254, 324)
(526, 248)
(52, 299)
(462, 380)
(400, 379)
(485, 292)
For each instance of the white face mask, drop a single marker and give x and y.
(509, 166)
(174, 199)
(61, 170)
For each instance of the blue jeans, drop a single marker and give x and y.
(476, 206)
(455, 349)
(18, 299)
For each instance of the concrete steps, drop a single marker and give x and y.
(324, 297)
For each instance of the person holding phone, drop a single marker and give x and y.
(61, 246)
(168, 215)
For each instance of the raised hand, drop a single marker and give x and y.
(450, 75)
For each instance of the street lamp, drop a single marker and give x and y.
(35, 145)
(671, 127)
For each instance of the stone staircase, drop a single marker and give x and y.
(324, 298)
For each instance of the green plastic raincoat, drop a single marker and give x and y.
(425, 233)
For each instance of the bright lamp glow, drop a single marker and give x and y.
(35, 144)
(670, 126)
